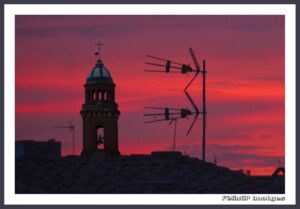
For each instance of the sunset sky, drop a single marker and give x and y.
(245, 82)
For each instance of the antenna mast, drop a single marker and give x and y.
(175, 67)
(204, 110)
(174, 137)
(71, 128)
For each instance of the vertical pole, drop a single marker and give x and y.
(73, 141)
(204, 112)
(174, 137)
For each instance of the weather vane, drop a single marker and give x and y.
(99, 44)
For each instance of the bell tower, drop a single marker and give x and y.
(100, 113)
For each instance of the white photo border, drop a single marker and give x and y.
(288, 10)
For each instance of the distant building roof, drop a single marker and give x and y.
(37, 149)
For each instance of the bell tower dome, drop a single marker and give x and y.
(100, 113)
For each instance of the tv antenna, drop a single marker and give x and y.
(169, 114)
(196, 113)
(176, 67)
(170, 66)
(203, 72)
(71, 128)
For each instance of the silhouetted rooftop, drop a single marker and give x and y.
(157, 173)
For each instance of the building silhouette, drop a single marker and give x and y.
(38, 149)
(100, 113)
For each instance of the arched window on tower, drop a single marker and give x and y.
(99, 95)
(100, 137)
(102, 95)
(105, 95)
(95, 95)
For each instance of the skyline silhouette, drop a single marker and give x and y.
(245, 84)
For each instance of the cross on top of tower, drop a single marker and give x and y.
(99, 44)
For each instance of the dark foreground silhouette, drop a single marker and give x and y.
(159, 173)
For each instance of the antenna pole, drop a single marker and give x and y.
(71, 128)
(73, 140)
(204, 111)
(174, 137)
